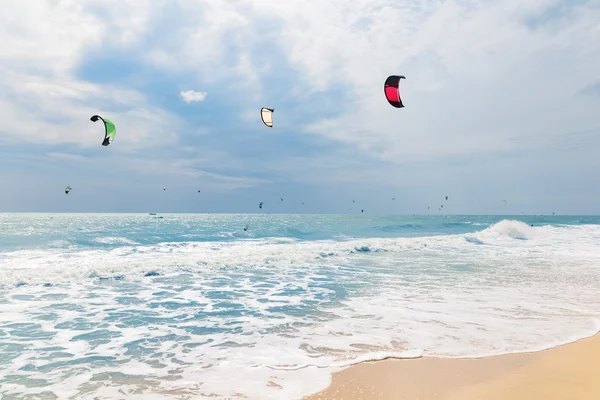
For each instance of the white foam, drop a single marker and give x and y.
(115, 240)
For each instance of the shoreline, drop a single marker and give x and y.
(568, 371)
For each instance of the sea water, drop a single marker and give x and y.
(96, 306)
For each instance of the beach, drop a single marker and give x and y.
(570, 371)
(106, 306)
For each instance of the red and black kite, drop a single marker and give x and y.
(392, 90)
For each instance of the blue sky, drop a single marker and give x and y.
(502, 102)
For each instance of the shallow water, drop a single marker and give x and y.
(99, 306)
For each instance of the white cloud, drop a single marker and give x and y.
(482, 78)
(478, 78)
(43, 101)
(191, 96)
(56, 110)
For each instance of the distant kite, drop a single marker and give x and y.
(392, 90)
(266, 114)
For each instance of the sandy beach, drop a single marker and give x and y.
(124, 306)
(571, 371)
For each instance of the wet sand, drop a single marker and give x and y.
(571, 371)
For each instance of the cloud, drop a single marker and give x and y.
(190, 96)
(42, 99)
(351, 46)
(57, 110)
(472, 95)
(469, 89)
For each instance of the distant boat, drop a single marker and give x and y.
(152, 213)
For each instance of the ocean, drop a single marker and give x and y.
(192, 306)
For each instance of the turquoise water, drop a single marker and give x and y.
(97, 306)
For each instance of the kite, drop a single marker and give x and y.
(109, 129)
(267, 116)
(392, 90)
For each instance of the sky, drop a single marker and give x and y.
(502, 102)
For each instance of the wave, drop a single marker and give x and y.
(509, 229)
(371, 356)
(115, 240)
(66, 264)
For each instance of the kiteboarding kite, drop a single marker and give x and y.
(267, 116)
(260, 205)
(392, 90)
(109, 129)
(67, 189)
